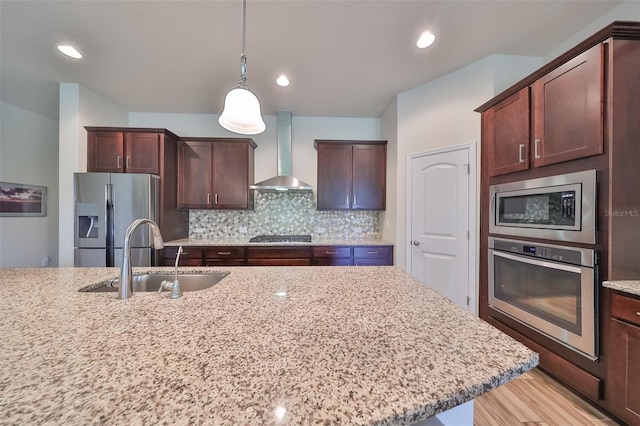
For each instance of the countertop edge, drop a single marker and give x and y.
(625, 286)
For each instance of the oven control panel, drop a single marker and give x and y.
(542, 251)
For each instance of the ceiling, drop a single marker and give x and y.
(346, 58)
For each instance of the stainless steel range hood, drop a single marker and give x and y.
(284, 181)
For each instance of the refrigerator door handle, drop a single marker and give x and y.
(108, 197)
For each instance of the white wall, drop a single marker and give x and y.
(303, 132)
(28, 153)
(389, 132)
(627, 11)
(79, 107)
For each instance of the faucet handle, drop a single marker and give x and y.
(165, 284)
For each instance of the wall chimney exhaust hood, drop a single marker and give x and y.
(284, 181)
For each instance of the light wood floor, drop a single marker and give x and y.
(535, 399)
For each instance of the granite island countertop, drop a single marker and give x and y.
(245, 242)
(266, 345)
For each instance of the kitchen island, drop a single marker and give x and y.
(266, 345)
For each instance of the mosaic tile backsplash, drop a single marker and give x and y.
(284, 214)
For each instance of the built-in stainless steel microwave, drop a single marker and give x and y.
(561, 208)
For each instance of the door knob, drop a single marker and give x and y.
(416, 243)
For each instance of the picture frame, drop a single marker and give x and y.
(17, 199)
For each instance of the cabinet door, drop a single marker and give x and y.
(194, 175)
(105, 152)
(568, 110)
(369, 177)
(142, 153)
(624, 371)
(230, 175)
(506, 131)
(334, 176)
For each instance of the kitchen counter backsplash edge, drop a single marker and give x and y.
(626, 286)
(245, 242)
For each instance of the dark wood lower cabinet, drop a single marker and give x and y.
(624, 359)
(279, 256)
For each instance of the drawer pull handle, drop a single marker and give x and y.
(224, 253)
(638, 313)
(335, 252)
(372, 252)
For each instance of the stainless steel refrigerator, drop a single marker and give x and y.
(105, 205)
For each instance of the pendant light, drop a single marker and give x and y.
(241, 112)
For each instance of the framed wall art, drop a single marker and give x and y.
(22, 200)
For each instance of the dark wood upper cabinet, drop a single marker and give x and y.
(351, 175)
(195, 174)
(568, 110)
(105, 151)
(505, 133)
(123, 151)
(215, 173)
(142, 152)
(558, 118)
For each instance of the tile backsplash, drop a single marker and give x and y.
(286, 214)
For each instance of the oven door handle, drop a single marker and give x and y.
(536, 262)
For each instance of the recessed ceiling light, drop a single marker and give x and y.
(426, 39)
(70, 51)
(282, 80)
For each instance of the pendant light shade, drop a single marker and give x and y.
(241, 112)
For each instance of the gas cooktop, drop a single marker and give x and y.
(281, 239)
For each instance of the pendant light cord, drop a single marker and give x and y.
(244, 23)
(243, 57)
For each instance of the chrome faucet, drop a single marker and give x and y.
(126, 274)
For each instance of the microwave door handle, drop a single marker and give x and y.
(536, 262)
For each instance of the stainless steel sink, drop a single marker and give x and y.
(151, 282)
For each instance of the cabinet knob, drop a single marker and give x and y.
(416, 243)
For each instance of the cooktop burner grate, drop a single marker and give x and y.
(281, 239)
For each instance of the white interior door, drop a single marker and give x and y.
(440, 224)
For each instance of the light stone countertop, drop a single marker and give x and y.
(627, 286)
(245, 242)
(345, 345)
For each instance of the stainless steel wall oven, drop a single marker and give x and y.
(559, 208)
(551, 289)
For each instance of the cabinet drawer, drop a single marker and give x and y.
(333, 261)
(331, 252)
(372, 252)
(278, 252)
(224, 252)
(625, 308)
(188, 253)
